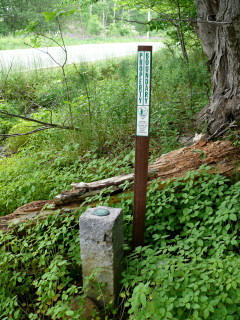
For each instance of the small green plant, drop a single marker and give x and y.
(169, 287)
(40, 269)
(189, 268)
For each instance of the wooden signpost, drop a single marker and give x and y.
(142, 143)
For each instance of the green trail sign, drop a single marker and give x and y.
(142, 143)
(143, 93)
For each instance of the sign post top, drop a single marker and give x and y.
(144, 48)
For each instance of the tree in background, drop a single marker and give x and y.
(168, 15)
(91, 17)
(16, 14)
(104, 17)
(217, 23)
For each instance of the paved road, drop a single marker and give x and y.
(29, 59)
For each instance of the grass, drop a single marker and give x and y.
(20, 42)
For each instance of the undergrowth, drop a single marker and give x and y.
(39, 265)
(190, 265)
(42, 175)
(102, 102)
(188, 269)
(101, 97)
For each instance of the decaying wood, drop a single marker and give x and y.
(84, 190)
(222, 156)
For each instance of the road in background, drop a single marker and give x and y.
(31, 59)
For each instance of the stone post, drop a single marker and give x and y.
(101, 242)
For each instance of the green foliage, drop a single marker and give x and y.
(171, 16)
(95, 26)
(32, 175)
(84, 18)
(189, 270)
(102, 98)
(179, 91)
(192, 224)
(40, 268)
(15, 143)
(11, 42)
(5, 126)
(177, 289)
(17, 14)
(120, 29)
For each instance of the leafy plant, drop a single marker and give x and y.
(189, 268)
(40, 268)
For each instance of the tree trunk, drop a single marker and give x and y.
(180, 34)
(218, 26)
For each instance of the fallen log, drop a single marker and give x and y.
(84, 190)
(222, 156)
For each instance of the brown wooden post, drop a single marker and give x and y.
(142, 143)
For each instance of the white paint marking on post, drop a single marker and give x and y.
(143, 93)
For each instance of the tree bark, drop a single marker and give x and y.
(218, 26)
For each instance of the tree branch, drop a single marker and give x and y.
(10, 135)
(47, 124)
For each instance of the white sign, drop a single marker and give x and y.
(143, 93)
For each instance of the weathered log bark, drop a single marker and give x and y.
(221, 155)
(218, 26)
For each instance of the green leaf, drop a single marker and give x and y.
(200, 243)
(170, 307)
(210, 308)
(49, 16)
(143, 299)
(233, 217)
(205, 313)
(188, 306)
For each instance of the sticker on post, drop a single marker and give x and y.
(144, 71)
(143, 93)
(142, 121)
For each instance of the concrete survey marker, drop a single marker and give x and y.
(101, 242)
